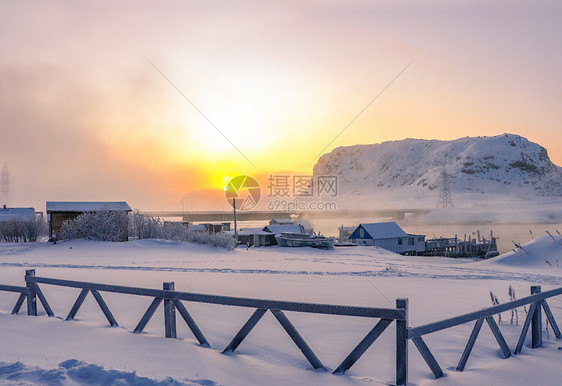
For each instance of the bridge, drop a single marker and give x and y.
(266, 215)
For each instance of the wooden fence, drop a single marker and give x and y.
(173, 301)
(537, 300)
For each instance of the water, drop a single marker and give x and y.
(506, 233)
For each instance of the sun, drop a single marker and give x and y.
(224, 182)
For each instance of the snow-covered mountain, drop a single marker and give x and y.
(507, 164)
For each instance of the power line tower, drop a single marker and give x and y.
(4, 185)
(445, 197)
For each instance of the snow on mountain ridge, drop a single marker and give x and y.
(505, 163)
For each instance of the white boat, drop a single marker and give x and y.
(288, 239)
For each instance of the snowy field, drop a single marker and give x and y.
(46, 350)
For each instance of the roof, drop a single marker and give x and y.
(288, 221)
(293, 228)
(380, 230)
(17, 214)
(77, 206)
(251, 230)
(251, 233)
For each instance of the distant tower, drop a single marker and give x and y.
(4, 182)
(445, 198)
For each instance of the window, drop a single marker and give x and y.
(399, 241)
(361, 233)
(410, 241)
(420, 239)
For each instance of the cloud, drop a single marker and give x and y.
(58, 144)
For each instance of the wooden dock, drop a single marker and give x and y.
(455, 247)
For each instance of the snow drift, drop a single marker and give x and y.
(74, 371)
(542, 251)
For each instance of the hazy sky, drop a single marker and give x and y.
(85, 116)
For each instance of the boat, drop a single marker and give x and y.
(289, 239)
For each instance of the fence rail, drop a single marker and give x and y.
(329, 309)
(537, 300)
(471, 316)
(173, 301)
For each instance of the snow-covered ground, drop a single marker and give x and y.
(52, 351)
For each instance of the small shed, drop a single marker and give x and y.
(60, 211)
(216, 227)
(255, 237)
(16, 214)
(390, 236)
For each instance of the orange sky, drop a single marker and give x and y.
(84, 115)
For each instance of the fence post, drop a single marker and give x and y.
(402, 344)
(169, 312)
(536, 322)
(31, 296)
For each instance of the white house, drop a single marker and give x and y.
(289, 228)
(16, 214)
(390, 236)
(307, 227)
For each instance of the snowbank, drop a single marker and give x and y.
(79, 372)
(543, 252)
(437, 288)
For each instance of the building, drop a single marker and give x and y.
(255, 237)
(196, 227)
(285, 228)
(60, 211)
(213, 227)
(16, 214)
(19, 225)
(308, 228)
(390, 236)
(281, 221)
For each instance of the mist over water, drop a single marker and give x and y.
(506, 233)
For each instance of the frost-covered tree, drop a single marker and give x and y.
(109, 226)
(103, 225)
(23, 231)
(142, 226)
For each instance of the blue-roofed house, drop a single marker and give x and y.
(390, 236)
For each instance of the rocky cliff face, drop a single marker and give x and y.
(507, 164)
